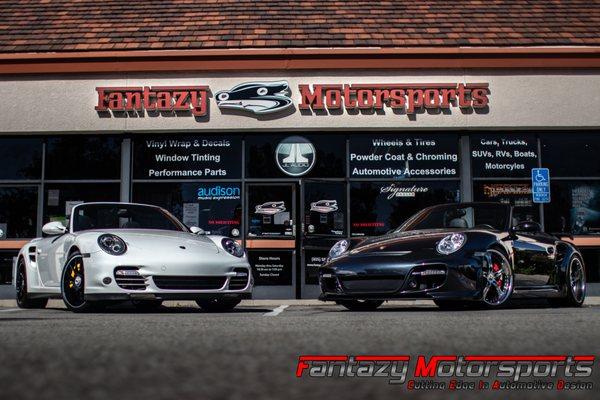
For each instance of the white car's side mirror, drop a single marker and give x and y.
(54, 228)
(197, 231)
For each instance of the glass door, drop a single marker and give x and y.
(271, 231)
(324, 221)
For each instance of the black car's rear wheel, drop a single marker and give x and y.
(575, 285)
(23, 298)
(218, 304)
(360, 305)
(73, 285)
(498, 277)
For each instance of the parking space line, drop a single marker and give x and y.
(276, 311)
(10, 310)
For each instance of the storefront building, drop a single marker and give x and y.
(291, 150)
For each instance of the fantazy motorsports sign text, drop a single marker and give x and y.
(255, 98)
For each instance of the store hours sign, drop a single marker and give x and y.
(401, 156)
(187, 157)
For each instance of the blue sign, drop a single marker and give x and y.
(540, 179)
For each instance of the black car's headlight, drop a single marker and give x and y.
(339, 248)
(232, 247)
(451, 243)
(112, 244)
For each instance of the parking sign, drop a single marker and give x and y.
(540, 180)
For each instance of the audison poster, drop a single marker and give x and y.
(187, 157)
(271, 268)
(399, 156)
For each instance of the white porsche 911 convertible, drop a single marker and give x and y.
(130, 252)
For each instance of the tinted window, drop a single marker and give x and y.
(329, 155)
(214, 207)
(122, 216)
(59, 198)
(20, 158)
(187, 157)
(575, 207)
(503, 155)
(18, 212)
(492, 216)
(515, 193)
(325, 208)
(76, 157)
(270, 211)
(377, 208)
(571, 154)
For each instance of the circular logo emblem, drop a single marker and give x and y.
(1, 233)
(295, 156)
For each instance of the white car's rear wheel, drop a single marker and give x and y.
(23, 298)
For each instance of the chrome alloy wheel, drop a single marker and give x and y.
(577, 279)
(498, 278)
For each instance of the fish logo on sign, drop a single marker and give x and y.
(256, 97)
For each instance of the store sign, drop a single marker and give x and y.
(540, 178)
(295, 156)
(158, 99)
(407, 97)
(394, 190)
(496, 155)
(271, 268)
(423, 156)
(218, 192)
(256, 97)
(187, 157)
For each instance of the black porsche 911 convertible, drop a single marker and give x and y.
(458, 255)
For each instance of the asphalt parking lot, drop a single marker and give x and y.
(181, 352)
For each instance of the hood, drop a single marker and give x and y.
(158, 241)
(402, 241)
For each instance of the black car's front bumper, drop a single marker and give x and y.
(384, 277)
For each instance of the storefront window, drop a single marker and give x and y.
(20, 159)
(307, 156)
(187, 157)
(570, 154)
(378, 207)
(18, 212)
(515, 193)
(270, 211)
(404, 156)
(575, 207)
(214, 207)
(79, 158)
(60, 198)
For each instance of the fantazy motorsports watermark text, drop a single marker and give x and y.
(458, 372)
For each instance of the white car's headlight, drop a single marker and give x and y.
(112, 244)
(451, 243)
(232, 247)
(339, 248)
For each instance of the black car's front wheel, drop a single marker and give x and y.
(360, 305)
(498, 278)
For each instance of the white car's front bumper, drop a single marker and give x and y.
(166, 276)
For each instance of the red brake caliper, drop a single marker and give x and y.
(496, 268)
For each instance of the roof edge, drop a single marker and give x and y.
(299, 59)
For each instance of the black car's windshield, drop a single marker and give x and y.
(460, 216)
(123, 216)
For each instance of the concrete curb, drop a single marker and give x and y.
(590, 301)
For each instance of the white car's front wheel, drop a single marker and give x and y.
(73, 284)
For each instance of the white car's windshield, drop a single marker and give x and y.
(123, 216)
(460, 216)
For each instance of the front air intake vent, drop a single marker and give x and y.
(240, 280)
(129, 278)
(189, 282)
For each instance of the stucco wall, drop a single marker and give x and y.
(518, 99)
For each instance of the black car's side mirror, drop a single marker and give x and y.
(526, 227)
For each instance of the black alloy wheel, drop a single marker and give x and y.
(73, 285)
(575, 285)
(360, 305)
(23, 298)
(218, 304)
(499, 280)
